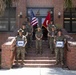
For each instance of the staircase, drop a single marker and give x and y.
(37, 60)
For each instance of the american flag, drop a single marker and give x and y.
(34, 20)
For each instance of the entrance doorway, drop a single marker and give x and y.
(41, 14)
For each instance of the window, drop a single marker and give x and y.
(8, 20)
(70, 20)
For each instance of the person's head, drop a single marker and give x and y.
(23, 26)
(59, 33)
(29, 23)
(53, 29)
(39, 29)
(51, 22)
(20, 31)
(26, 19)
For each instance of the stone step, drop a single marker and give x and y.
(35, 55)
(38, 55)
(34, 52)
(39, 58)
(37, 61)
(40, 65)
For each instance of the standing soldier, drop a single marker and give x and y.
(29, 37)
(49, 28)
(39, 36)
(20, 44)
(25, 33)
(26, 20)
(59, 47)
(51, 35)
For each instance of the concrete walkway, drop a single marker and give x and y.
(37, 71)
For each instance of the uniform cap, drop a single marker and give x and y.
(20, 30)
(53, 25)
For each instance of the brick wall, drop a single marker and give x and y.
(58, 7)
(73, 35)
(74, 3)
(3, 37)
(8, 53)
(71, 57)
(70, 50)
(21, 7)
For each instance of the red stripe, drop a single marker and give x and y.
(34, 22)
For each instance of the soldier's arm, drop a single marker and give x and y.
(37, 37)
(48, 29)
(49, 35)
(26, 34)
(54, 40)
(15, 38)
(41, 36)
(25, 40)
(65, 40)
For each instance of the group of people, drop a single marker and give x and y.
(56, 41)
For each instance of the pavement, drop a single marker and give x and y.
(37, 71)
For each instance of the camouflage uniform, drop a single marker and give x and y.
(21, 49)
(25, 33)
(29, 37)
(49, 31)
(59, 51)
(51, 35)
(39, 42)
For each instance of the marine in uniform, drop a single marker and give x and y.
(25, 30)
(25, 33)
(59, 47)
(26, 20)
(39, 36)
(49, 28)
(51, 35)
(30, 32)
(20, 46)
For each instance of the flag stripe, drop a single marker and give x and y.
(34, 20)
(34, 23)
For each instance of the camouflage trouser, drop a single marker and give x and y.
(59, 54)
(29, 40)
(48, 41)
(51, 42)
(39, 45)
(20, 50)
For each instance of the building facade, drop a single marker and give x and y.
(56, 7)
